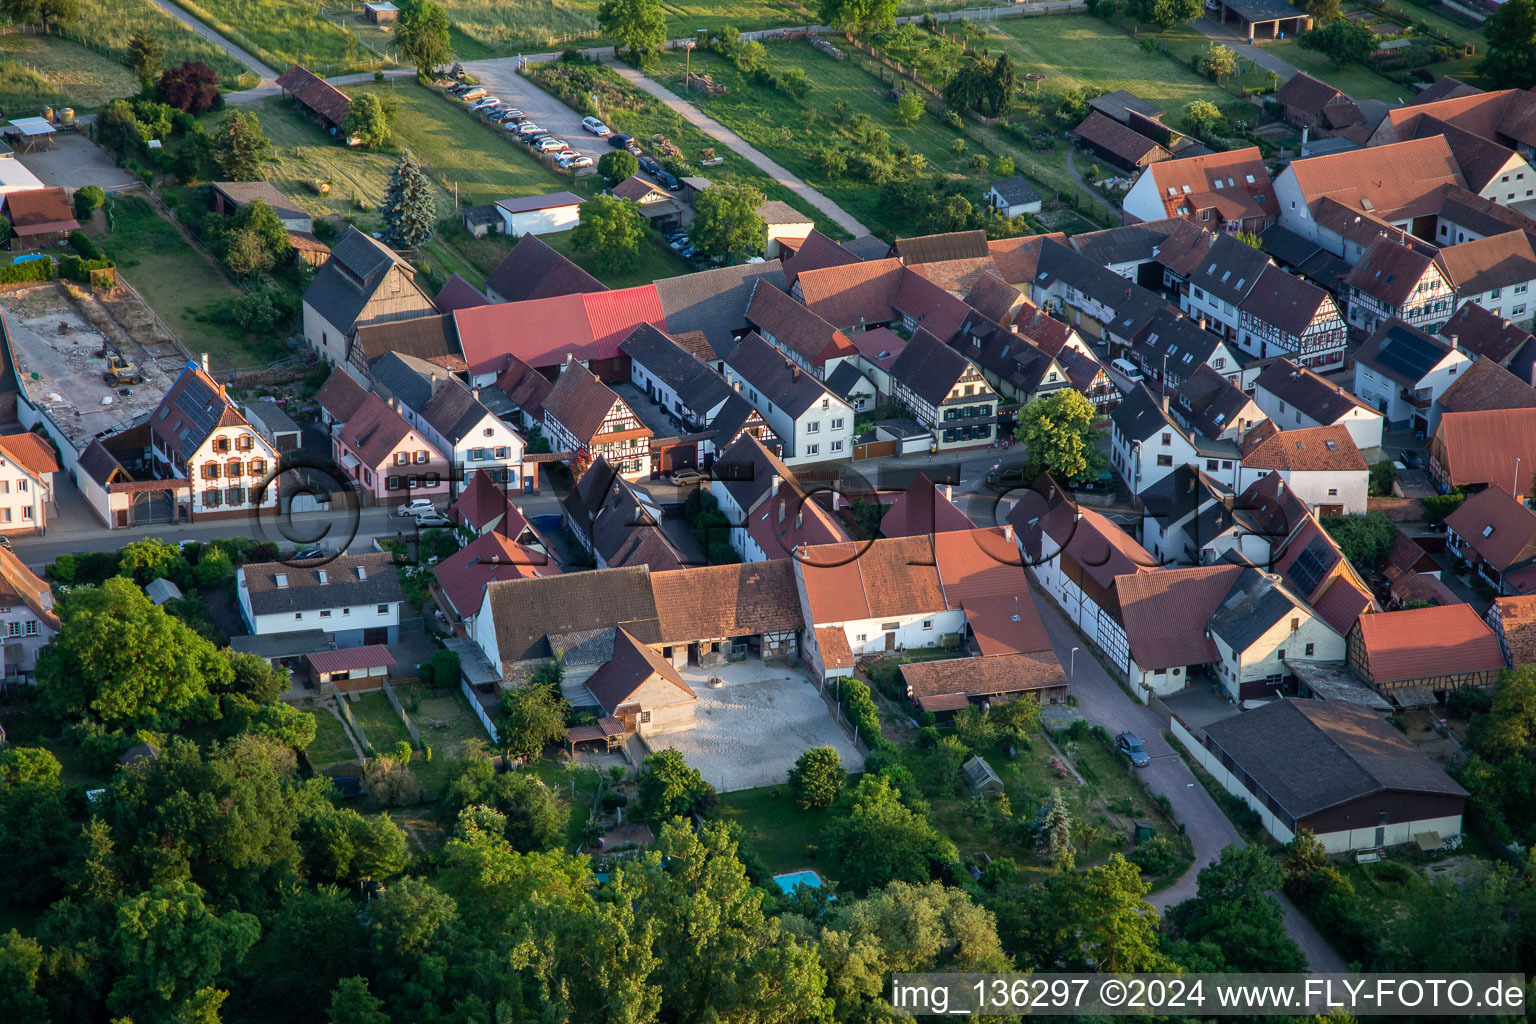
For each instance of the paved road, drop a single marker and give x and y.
(265, 73)
(1104, 703)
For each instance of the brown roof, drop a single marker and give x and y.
(1483, 264)
(713, 601)
(1306, 93)
(31, 452)
(1420, 643)
(816, 253)
(315, 93)
(951, 245)
(579, 401)
(1501, 530)
(481, 502)
(347, 659)
(192, 409)
(775, 376)
(1390, 272)
(1444, 88)
(343, 581)
(1486, 385)
(1129, 147)
(528, 612)
(1316, 396)
(1166, 612)
(871, 580)
(375, 430)
(341, 395)
(1485, 334)
(796, 327)
(432, 337)
(37, 211)
(920, 509)
(458, 293)
(995, 298)
(1483, 447)
(1395, 180)
(1193, 183)
(1016, 257)
(833, 644)
(1312, 449)
(853, 294)
(957, 276)
(1480, 159)
(981, 677)
(1413, 587)
(526, 387)
(1285, 300)
(632, 664)
(637, 189)
(533, 270)
(980, 569)
(1517, 623)
(25, 585)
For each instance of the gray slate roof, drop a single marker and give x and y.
(698, 386)
(774, 377)
(715, 301)
(343, 286)
(1016, 191)
(433, 393)
(304, 591)
(1252, 607)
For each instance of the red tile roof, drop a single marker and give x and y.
(315, 93)
(854, 294)
(1475, 448)
(1192, 182)
(1388, 181)
(376, 430)
(817, 252)
(921, 509)
(1516, 617)
(542, 332)
(1310, 449)
(482, 502)
(351, 659)
(632, 664)
(871, 345)
(983, 575)
(1016, 258)
(1165, 613)
(1390, 271)
(1420, 643)
(1501, 530)
(795, 327)
(30, 452)
(945, 685)
(871, 580)
(341, 395)
(464, 574)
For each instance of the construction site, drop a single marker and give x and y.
(93, 362)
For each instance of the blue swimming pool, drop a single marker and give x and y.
(788, 883)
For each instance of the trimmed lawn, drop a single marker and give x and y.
(184, 287)
(372, 711)
(1361, 83)
(109, 23)
(775, 827)
(656, 261)
(66, 73)
(330, 744)
(282, 32)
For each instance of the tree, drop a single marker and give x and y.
(1343, 42)
(246, 255)
(192, 87)
(670, 786)
(1016, 719)
(239, 146)
(421, 35)
(21, 959)
(168, 679)
(970, 86)
(817, 777)
(352, 1003)
(881, 840)
(611, 232)
(1321, 10)
(1235, 922)
(148, 558)
(1058, 434)
(1508, 730)
(618, 164)
(1219, 62)
(1251, 240)
(726, 224)
(1511, 59)
(409, 210)
(369, 120)
(145, 53)
(1168, 13)
(1202, 117)
(910, 107)
(1001, 85)
(253, 241)
(88, 199)
(858, 16)
(29, 766)
(532, 717)
(1365, 538)
(641, 25)
(41, 12)
(1056, 831)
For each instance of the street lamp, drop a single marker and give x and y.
(688, 45)
(1071, 671)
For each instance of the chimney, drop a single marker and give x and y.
(1165, 401)
(475, 392)
(1304, 133)
(773, 487)
(949, 494)
(205, 362)
(794, 372)
(1008, 532)
(1453, 340)
(1201, 322)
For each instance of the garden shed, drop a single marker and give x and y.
(383, 13)
(980, 779)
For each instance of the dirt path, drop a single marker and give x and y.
(1085, 186)
(331, 707)
(265, 73)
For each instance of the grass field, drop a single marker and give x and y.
(183, 287)
(281, 32)
(379, 721)
(109, 23)
(775, 827)
(66, 73)
(511, 26)
(331, 744)
(1361, 83)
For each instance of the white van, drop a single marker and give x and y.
(1126, 369)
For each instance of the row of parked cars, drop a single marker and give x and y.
(517, 124)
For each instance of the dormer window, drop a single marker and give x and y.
(362, 573)
(281, 580)
(320, 575)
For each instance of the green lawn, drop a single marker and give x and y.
(109, 23)
(58, 72)
(280, 32)
(378, 720)
(512, 26)
(775, 827)
(1361, 83)
(183, 286)
(330, 744)
(577, 787)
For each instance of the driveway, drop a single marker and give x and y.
(75, 161)
(751, 730)
(499, 77)
(1104, 703)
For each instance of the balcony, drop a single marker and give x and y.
(1419, 399)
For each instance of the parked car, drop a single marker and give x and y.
(503, 116)
(687, 477)
(416, 506)
(471, 95)
(1000, 478)
(433, 518)
(308, 553)
(460, 88)
(1131, 746)
(596, 127)
(679, 243)
(550, 144)
(649, 165)
(532, 141)
(667, 180)
(571, 161)
(481, 104)
(620, 140)
(689, 251)
(1411, 458)
(1126, 369)
(528, 128)
(513, 112)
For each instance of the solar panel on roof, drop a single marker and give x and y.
(1407, 354)
(1312, 567)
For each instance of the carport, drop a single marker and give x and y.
(1265, 19)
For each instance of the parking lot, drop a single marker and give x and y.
(751, 729)
(499, 78)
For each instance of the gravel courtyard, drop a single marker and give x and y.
(753, 728)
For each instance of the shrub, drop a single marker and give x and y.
(88, 200)
(34, 270)
(1438, 506)
(1157, 856)
(80, 242)
(445, 668)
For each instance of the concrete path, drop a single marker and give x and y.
(1103, 702)
(1230, 36)
(723, 135)
(265, 73)
(1087, 186)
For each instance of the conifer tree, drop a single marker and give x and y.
(410, 212)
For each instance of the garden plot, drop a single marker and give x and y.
(377, 718)
(331, 744)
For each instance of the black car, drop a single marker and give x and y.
(649, 165)
(1006, 478)
(1131, 746)
(667, 180)
(1411, 458)
(620, 140)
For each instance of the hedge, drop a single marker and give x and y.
(82, 244)
(76, 269)
(32, 270)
